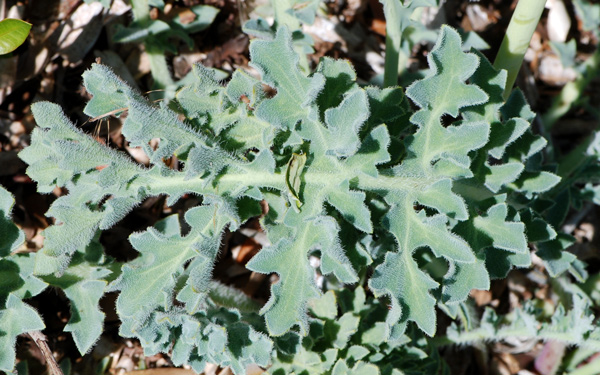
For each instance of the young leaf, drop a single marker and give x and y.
(13, 33)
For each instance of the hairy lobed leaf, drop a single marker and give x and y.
(84, 283)
(444, 213)
(17, 283)
(573, 327)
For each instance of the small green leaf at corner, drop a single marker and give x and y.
(13, 33)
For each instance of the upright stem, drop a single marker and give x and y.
(518, 35)
(393, 40)
(392, 58)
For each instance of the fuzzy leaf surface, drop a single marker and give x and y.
(16, 317)
(11, 236)
(423, 205)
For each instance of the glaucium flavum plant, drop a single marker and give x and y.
(421, 205)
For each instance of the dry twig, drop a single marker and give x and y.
(42, 342)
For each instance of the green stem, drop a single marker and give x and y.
(572, 91)
(393, 40)
(160, 185)
(392, 58)
(518, 35)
